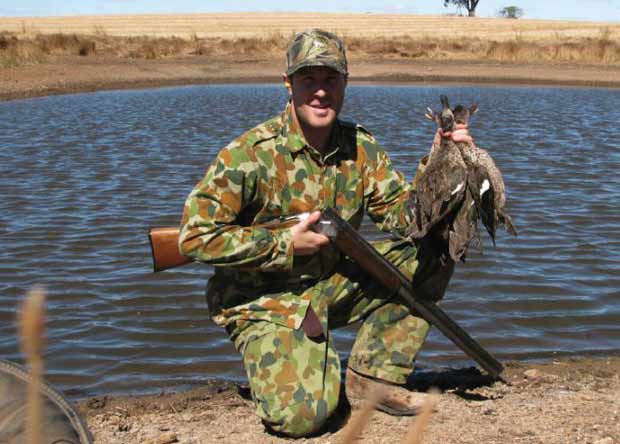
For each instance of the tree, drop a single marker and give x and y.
(470, 5)
(512, 12)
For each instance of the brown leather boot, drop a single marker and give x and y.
(393, 399)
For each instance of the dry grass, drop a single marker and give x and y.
(14, 51)
(32, 40)
(600, 48)
(32, 329)
(252, 25)
(418, 426)
(355, 427)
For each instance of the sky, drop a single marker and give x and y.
(593, 10)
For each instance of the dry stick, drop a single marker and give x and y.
(356, 424)
(416, 430)
(32, 329)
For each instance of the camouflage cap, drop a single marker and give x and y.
(316, 47)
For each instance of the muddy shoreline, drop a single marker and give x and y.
(73, 74)
(568, 400)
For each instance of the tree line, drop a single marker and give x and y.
(470, 5)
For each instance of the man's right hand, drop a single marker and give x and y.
(305, 240)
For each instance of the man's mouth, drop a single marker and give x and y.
(320, 109)
(320, 105)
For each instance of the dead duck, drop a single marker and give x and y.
(441, 194)
(484, 179)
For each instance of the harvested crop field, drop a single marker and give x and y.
(53, 55)
(261, 25)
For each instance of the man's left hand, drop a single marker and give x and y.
(459, 134)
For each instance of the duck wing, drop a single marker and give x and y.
(464, 228)
(483, 160)
(484, 197)
(489, 190)
(440, 189)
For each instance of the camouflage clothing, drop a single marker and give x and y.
(261, 292)
(268, 173)
(295, 380)
(316, 48)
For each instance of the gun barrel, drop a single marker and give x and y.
(351, 243)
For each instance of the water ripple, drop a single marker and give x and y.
(85, 176)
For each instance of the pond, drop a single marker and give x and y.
(85, 176)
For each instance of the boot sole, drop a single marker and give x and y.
(397, 412)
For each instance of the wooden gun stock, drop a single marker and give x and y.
(165, 242)
(165, 248)
(352, 244)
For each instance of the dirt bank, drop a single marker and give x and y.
(568, 401)
(69, 74)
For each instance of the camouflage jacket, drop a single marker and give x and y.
(270, 172)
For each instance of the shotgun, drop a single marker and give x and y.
(164, 245)
(165, 242)
(352, 244)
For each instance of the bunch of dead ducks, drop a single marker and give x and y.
(460, 186)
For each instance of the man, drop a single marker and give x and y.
(279, 292)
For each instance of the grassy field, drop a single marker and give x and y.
(260, 25)
(34, 39)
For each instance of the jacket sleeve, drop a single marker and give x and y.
(388, 194)
(210, 232)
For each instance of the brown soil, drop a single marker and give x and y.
(67, 74)
(569, 401)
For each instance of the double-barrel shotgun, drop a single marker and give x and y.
(353, 245)
(165, 242)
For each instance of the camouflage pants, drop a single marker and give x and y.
(295, 380)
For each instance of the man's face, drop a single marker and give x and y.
(318, 94)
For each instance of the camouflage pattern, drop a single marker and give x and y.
(269, 173)
(295, 381)
(316, 48)
(261, 292)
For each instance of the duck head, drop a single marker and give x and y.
(462, 114)
(448, 118)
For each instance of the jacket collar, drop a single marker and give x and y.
(293, 137)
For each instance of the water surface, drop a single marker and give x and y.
(84, 176)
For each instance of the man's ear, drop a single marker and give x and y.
(287, 84)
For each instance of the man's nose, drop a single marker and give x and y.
(320, 91)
